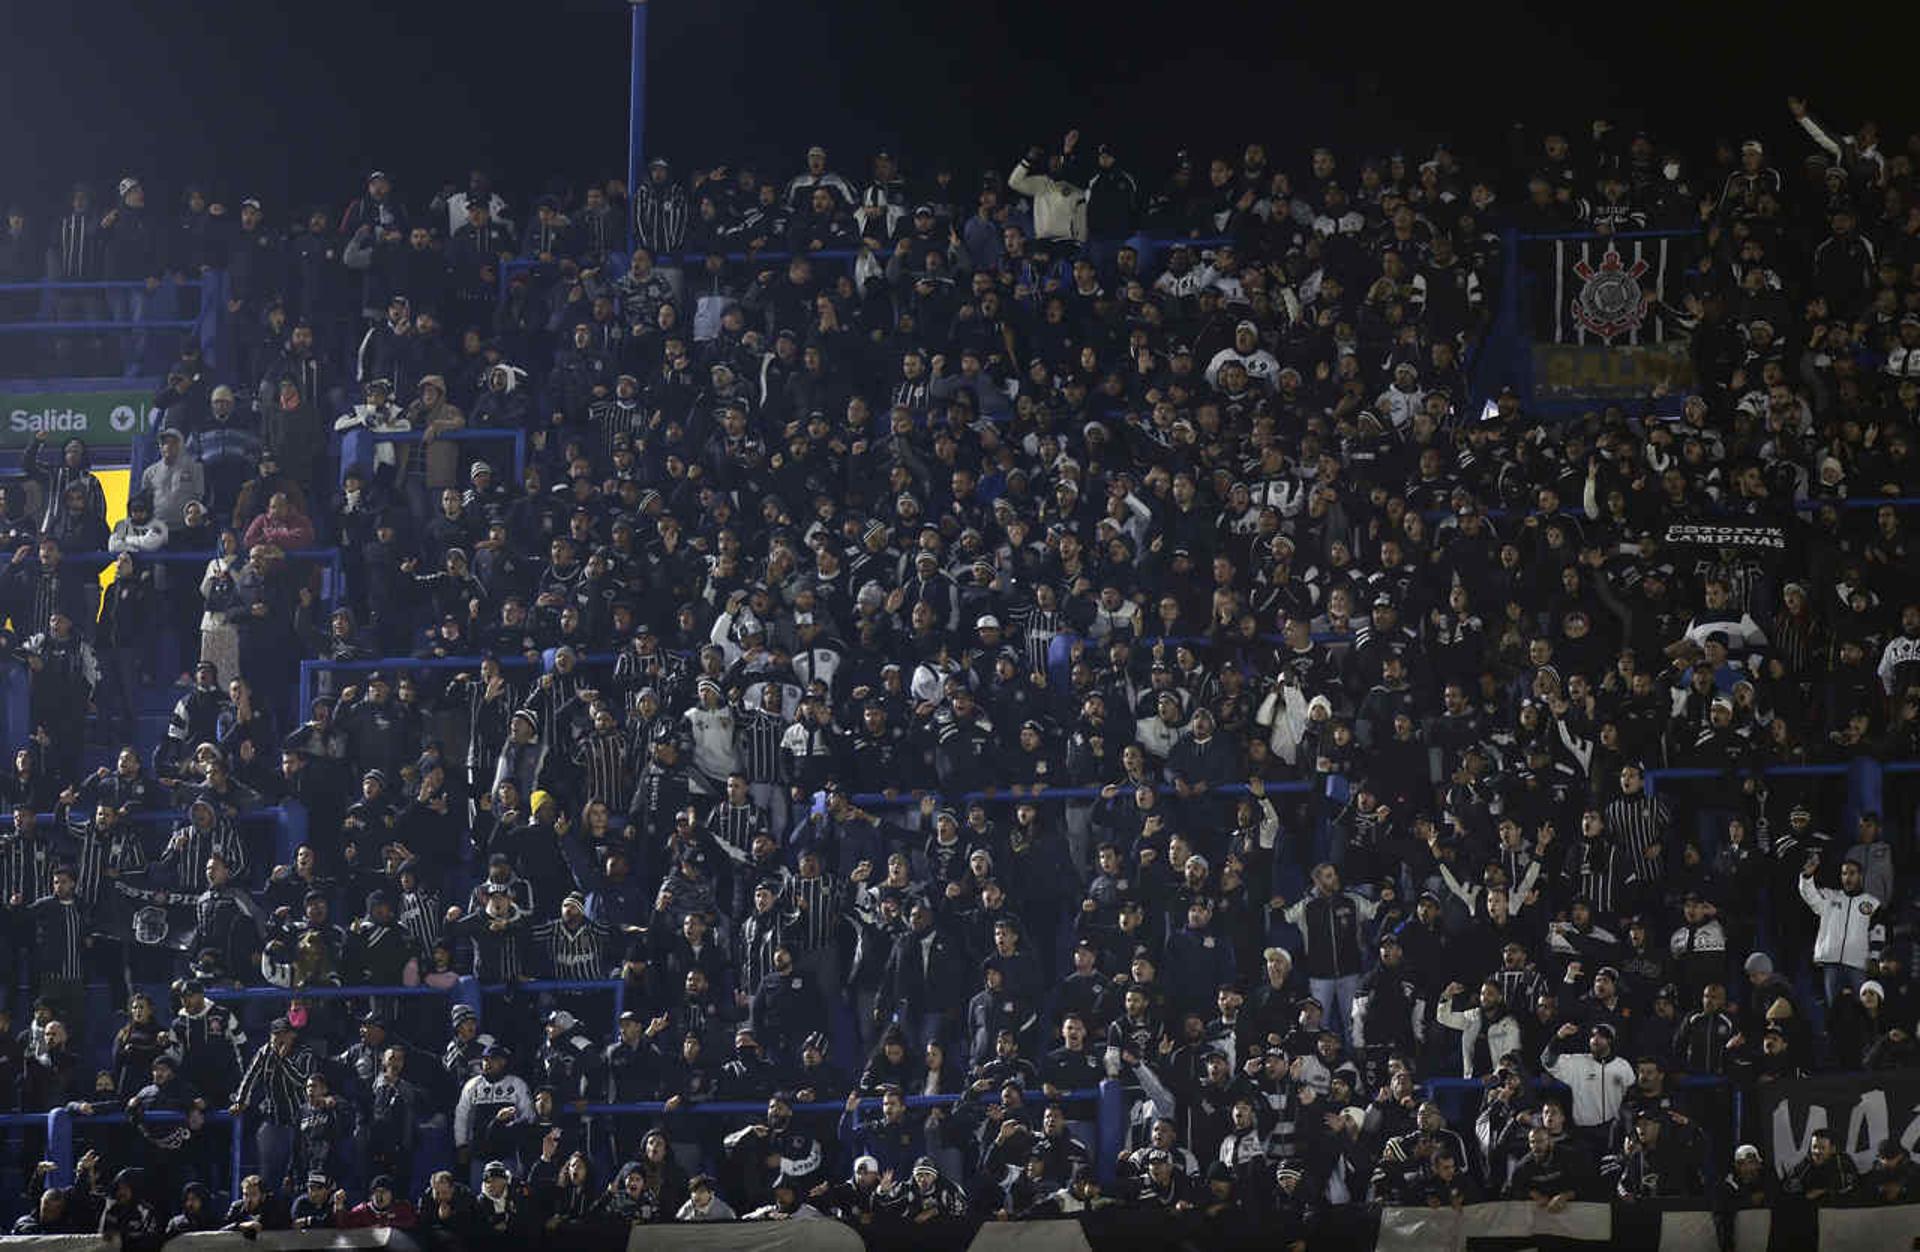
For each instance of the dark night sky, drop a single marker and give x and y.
(298, 101)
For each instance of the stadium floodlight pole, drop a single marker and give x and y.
(636, 107)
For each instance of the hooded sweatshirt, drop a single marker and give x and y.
(442, 459)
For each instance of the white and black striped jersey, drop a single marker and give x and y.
(818, 903)
(26, 867)
(487, 721)
(69, 663)
(421, 914)
(276, 1085)
(758, 936)
(757, 735)
(734, 826)
(1521, 987)
(619, 421)
(1639, 822)
(547, 701)
(603, 759)
(98, 851)
(187, 864)
(498, 955)
(662, 672)
(574, 951)
(60, 929)
(1037, 628)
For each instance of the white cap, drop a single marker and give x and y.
(1746, 1152)
(986, 621)
(865, 1164)
(1874, 986)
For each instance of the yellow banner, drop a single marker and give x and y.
(1565, 371)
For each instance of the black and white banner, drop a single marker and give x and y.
(1861, 1110)
(148, 919)
(1765, 538)
(1609, 291)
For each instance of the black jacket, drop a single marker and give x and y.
(940, 984)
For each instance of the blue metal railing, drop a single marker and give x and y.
(518, 438)
(210, 325)
(312, 669)
(1144, 243)
(60, 1125)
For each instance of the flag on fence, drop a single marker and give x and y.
(1609, 291)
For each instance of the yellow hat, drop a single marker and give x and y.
(539, 798)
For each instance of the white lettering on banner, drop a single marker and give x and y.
(1789, 1150)
(1729, 536)
(109, 416)
(30, 421)
(1869, 1123)
(1866, 1127)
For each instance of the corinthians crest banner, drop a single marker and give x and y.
(1609, 291)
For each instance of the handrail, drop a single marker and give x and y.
(1050, 793)
(135, 327)
(552, 984)
(1683, 773)
(735, 1108)
(471, 434)
(684, 257)
(1670, 232)
(157, 817)
(1814, 504)
(313, 666)
(165, 557)
(60, 1121)
(53, 284)
(327, 992)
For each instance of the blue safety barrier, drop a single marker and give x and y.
(1147, 245)
(61, 1123)
(108, 328)
(311, 669)
(346, 444)
(210, 325)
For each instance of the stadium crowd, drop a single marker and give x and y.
(1075, 629)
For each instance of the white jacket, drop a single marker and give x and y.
(1059, 209)
(1596, 1086)
(129, 536)
(1260, 365)
(487, 1096)
(1845, 924)
(1502, 1037)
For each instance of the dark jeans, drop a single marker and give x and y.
(274, 1147)
(128, 305)
(119, 692)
